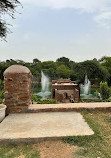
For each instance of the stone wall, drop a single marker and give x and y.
(65, 86)
(17, 83)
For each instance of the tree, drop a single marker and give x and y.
(105, 90)
(6, 7)
(96, 72)
(106, 63)
(63, 71)
(35, 61)
(63, 60)
(51, 73)
(48, 65)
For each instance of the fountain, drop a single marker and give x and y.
(85, 88)
(44, 86)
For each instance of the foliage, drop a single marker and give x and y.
(105, 90)
(63, 60)
(1, 91)
(62, 68)
(94, 70)
(47, 101)
(91, 100)
(106, 63)
(37, 100)
(6, 7)
(1, 95)
(35, 61)
(63, 71)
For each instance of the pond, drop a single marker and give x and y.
(37, 88)
(93, 93)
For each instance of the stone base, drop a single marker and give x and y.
(16, 109)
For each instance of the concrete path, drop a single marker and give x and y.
(68, 107)
(34, 127)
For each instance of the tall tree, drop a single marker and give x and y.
(6, 7)
(96, 73)
(63, 71)
(35, 61)
(63, 61)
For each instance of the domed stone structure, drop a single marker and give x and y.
(17, 81)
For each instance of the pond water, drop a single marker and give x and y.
(37, 90)
(93, 94)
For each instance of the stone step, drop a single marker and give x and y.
(34, 108)
(34, 127)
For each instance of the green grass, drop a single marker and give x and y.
(14, 151)
(99, 144)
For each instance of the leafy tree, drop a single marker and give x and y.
(35, 61)
(63, 71)
(6, 7)
(48, 65)
(106, 63)
(50, 72)
(96, 73)
(3, 67)
(64, 60)
(105, 90)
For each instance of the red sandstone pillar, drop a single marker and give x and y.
(17, 83)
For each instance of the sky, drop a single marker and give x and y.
(50, 29)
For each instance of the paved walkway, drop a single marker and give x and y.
(33, 127)
(68, 107)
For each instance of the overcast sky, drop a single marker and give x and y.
(49, 29)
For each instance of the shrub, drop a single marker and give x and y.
(105, 90)
(37, 100)
(1, 95)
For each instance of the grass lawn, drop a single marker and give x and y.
(19, 151)
(96, 146)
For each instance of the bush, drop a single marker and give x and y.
(1, 95)
(105, 90)
(37, 100)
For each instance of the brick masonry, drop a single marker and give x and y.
(17, 83)
(65, 90)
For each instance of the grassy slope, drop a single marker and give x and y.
(22, 151)
(98, 145)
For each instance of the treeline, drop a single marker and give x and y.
(97, 70)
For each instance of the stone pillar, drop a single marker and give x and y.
(17, 83)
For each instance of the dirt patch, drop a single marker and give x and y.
(56, 149)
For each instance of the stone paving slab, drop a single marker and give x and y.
(40, 126)
(68, 107)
